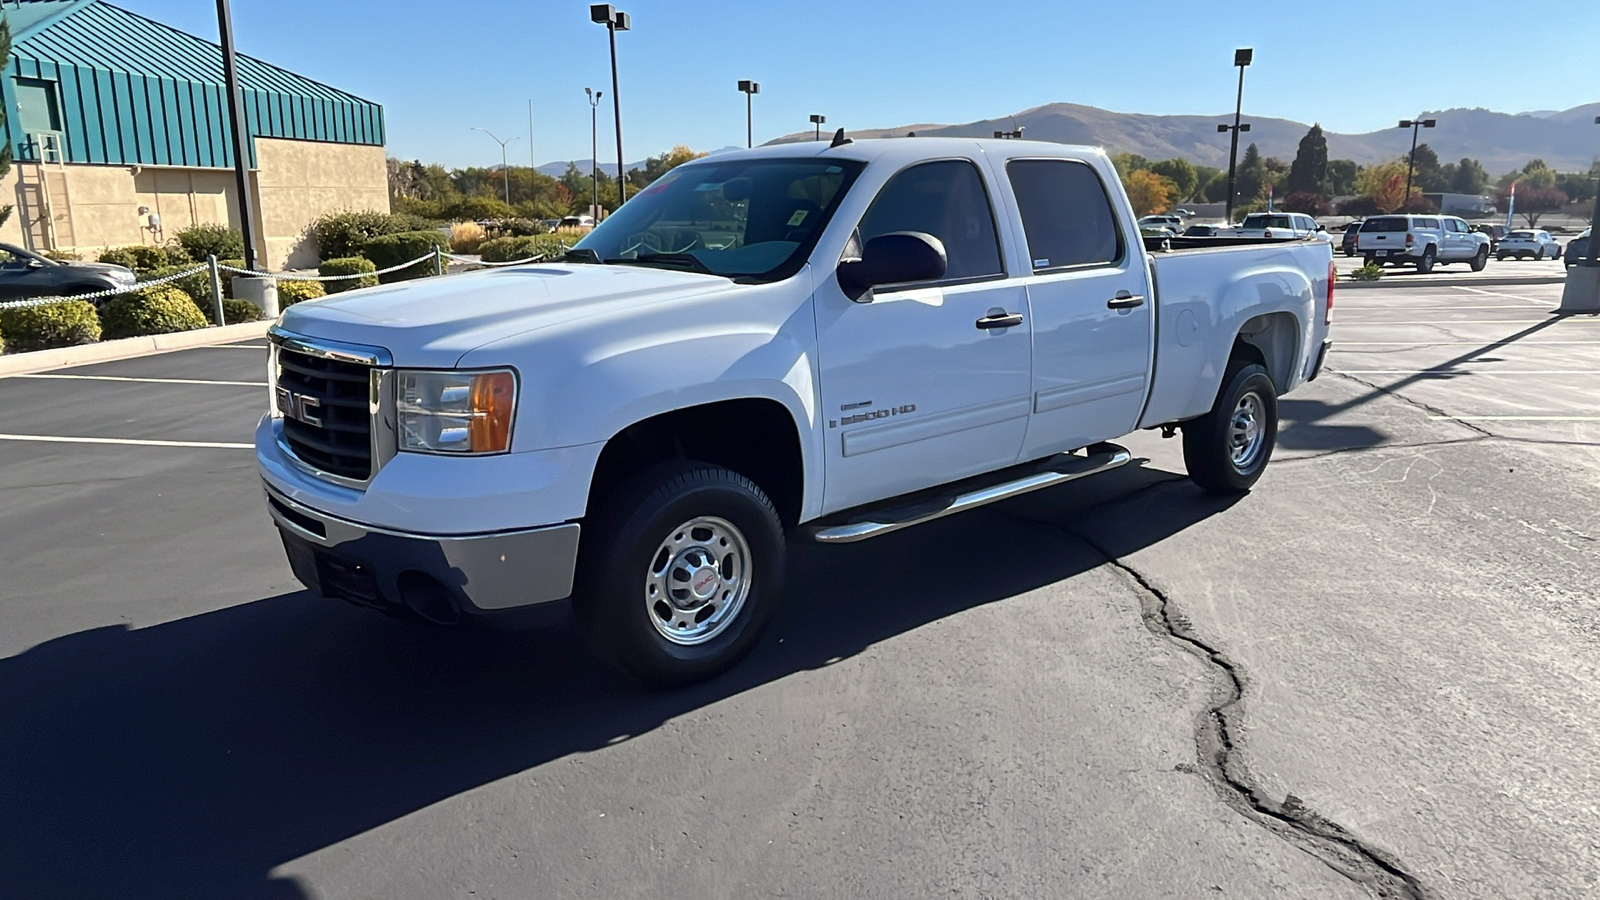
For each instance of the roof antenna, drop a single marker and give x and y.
(839, 140)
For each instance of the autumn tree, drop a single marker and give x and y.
(1148, 192)
(1391, 195)
(1533, 202)
(1308, 174)
(1182, 173)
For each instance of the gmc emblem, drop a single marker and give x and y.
(299, 407)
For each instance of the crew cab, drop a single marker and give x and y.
(812, 341)
(1422, 241)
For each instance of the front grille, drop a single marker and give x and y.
(339, 394)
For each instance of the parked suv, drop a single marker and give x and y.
(1578, 247)
(1422, 241)
(1527, 243)
(1347, 243)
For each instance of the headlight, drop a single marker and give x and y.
(125, 277)
(455, 412)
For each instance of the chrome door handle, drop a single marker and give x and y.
(1000, 320)
(1125, 300)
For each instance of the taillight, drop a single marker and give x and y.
(1327, 315)
(1410, 239)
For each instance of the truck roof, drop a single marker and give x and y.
(869, 149)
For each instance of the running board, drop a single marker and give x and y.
(1056, 470)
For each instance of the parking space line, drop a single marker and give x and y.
(1337, 344)
(1443, 322)
(1502, 294)
(1522, 418)
(125, 442)
(60, 377)
(1344, 307)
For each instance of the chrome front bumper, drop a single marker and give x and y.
(383, 568)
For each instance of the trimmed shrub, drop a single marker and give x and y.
(510, 249)
(61, 256)
(341, 235)
(351, 265)
(236, 311)
(65, 324)
(517, 228)
(467, 237)
(156, 311)
(1368, 272)
(197, 285)
(292, 292)
(200, 241)
(139, 259)
(394, 249)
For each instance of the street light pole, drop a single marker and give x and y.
(241, 134)
(818, 121)
(1594, 224)
(1241, 58)
(594, 148)
(1411, 161)
(750, 89)
(615, 20)
(505, 169)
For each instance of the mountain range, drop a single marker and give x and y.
(1566, 140)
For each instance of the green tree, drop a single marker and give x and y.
(1185, 179)
(1128, 163)
(5, 152)
(1342, 177)
(1428, 175)
(1309, 171)
(1469, 178)
(657, 166)
(1250, 178)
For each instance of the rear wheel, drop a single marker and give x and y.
(680, 572)
(1481, 259)
(1500, 257)
(1425, 264)
(1227, 449)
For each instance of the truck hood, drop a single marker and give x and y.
(436, 321)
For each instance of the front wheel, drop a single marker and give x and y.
(1481, 259)
(1227, 449)
(679, 573)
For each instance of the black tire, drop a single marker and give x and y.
(1500, 257)
(624, 540)
(1209, 444)
(1425, 264)
(1481, 260)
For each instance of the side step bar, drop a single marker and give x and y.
(1056, 470)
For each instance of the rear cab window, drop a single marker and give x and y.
(1387, 223)
(1067, 215)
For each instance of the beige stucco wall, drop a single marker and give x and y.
(300, 181)
(297, 182)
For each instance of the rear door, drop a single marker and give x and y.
(1090, 303)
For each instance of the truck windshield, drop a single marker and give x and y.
(753, 220)
(1392, 223)
(1265, 221)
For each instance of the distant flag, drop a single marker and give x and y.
(1511, 208)
(1269, 198)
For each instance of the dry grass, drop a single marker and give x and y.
(467, 237)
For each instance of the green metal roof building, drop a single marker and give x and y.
(91, 84)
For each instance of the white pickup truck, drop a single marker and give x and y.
(824, 341)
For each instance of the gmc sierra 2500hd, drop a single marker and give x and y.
(835, 341)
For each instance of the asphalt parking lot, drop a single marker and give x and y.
(1372, 676)
(1495, 269)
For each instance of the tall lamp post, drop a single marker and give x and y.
(615, 20)
(1241, 58)
(1411, 161)
(504, 168)
(594, 147)
(818, 121)
(241, 134)
(749, 89)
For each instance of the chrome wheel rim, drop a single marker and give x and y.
(697, 581)
(1247, 433)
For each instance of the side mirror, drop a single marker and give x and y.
(895, 258)
(35, 264)
(1322, 228)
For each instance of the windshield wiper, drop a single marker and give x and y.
(583, 255)
(673, 260)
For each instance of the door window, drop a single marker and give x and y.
(1066, 214)
(947, 200)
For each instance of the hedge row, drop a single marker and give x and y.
(192, 246)
(393, 249)
(510, 249)
(65, 324)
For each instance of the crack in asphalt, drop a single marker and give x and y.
(1416, 403)
(1373, 869)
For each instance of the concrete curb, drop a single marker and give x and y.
(1426, 281)
(127, 348)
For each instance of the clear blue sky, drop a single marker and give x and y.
(441, 68)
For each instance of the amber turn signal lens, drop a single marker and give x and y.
(494, 397)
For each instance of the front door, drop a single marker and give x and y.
(917, 388)
(1090, 302)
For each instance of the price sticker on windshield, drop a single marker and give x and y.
(798, 217)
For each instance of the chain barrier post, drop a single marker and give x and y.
(438, 260)
(216, 289)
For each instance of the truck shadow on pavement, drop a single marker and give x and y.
(192, 758)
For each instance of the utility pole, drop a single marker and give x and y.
(241, 134)
(818, 121)
(1594, 225)
(1241, 58)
